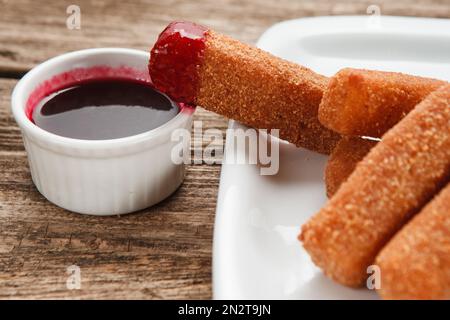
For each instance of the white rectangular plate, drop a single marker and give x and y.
(256, 253)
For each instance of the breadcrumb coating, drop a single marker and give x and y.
(262, 91)
(415, 264)
(347, 153)
(368, 103)
(398, 176)
(195, 65)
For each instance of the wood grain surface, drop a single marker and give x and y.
(163, 252)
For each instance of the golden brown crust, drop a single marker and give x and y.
(368, 103)
(398, 176)
(415, 264)
(262, 91)
(347, 153)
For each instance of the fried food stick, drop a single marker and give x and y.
(343, 160)
(195, 65)
(368, 103)
(398, 176)
(415, 264)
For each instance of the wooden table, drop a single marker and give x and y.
(163, 252)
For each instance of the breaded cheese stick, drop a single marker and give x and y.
(415, 264)
(368, 103)
(398, 176)
(195, 65)
(343, 160)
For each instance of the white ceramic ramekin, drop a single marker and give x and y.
(100, 177)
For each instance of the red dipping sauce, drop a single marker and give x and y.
(104, 109)
(100, 102)
(176, 58)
